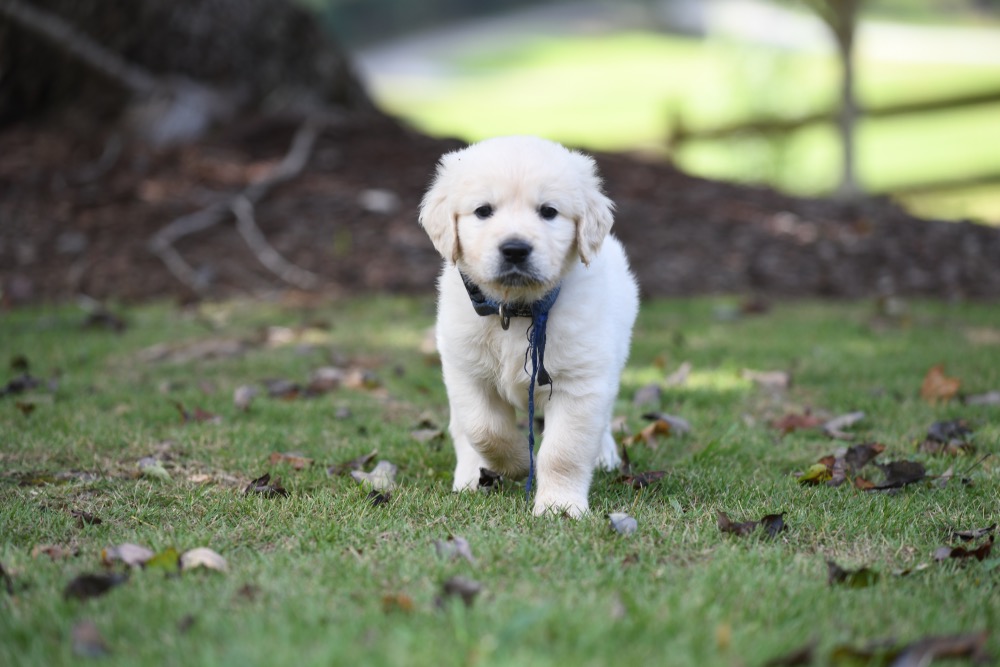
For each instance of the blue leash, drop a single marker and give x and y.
(539, 314)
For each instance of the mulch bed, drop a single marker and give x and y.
(71, 223)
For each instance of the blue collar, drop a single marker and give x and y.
(538, 311)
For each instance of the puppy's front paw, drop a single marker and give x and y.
(571, 507)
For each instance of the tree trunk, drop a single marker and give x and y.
(272, 52)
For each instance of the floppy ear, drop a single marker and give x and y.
(437, 215)
(597, 214)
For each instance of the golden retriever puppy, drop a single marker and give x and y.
(536, 307)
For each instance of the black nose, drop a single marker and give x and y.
(515, 251)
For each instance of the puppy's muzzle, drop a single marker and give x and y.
(515, 252)
(516, 269)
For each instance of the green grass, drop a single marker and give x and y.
(626, 91)
(308, 573)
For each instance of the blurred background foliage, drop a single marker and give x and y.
(739, 90)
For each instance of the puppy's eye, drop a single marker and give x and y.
(484, 211)
(547, 212)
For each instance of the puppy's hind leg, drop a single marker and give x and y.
(608, 458)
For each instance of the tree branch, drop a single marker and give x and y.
(241, 205)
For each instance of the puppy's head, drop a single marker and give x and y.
(516, 213)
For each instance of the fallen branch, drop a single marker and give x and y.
(268, 256)
(241, 206)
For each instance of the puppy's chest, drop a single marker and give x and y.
(504, 362)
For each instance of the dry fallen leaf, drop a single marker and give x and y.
(294, 459)
(85, 518)
(678, 425)
(648, 396)
(938, 387)
(817, 473)
(203, 557)
(86, 586)
(454, 547)
(393, 602)
(489, 481)
(196, 415)
(924, 651)
(461, 587)
(87, 640)
(967, 535)
(901, 473)
(860, 578)
(835, 427)
(771, 523)
(265, 487)
(133, 555)
(54, 551)
(622, 523)
(795, 422)
(243, 397)
(650, 434)
(982, 552)
(641, 480)
(773, 380)
(354, 464)
(381, 478)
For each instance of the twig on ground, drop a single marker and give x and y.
(241, 206)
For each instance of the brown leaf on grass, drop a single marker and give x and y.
(678, 425)
(938, 387)
(55, 551)
(948, 437)
(835, 427)
(650, 434)
(87, 586)
(924, 651)
(87, 640)
(860, 578)
(8, 581)
(648, 396)
(461, 587)
(25, 407)
(357, 463)
(641, 480)
(397, 602)
(426, 435)
(982, 552)
(796, 422)
(968, 535)
(858, 456)
(863, 484)
(294, 459)
(453, 548)
(362, 379)
(243, 397)
(378, 498)
(195, 416)
(798, 657)
(265, 487)
(282, 389)
(773, 380)
(771, 523)
(900, 473)
(85, 518)
(133, 555)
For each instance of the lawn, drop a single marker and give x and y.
(327, 575)
(626, 91)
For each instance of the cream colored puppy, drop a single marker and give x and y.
(523, 227)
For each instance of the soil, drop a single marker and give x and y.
(76, 216)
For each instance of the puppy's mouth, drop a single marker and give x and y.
(517, 276)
